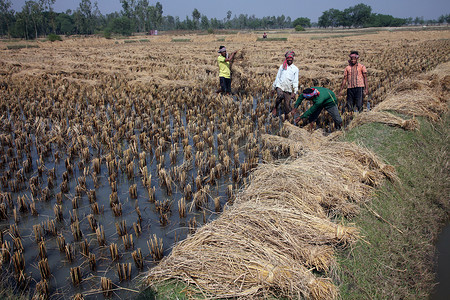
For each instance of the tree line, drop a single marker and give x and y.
(37, 18)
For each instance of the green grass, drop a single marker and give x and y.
(181, 40)
(272, 39)
(394, 260)
(170, 290)
(20, 46)
(333, 36)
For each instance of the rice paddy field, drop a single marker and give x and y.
(121, 165)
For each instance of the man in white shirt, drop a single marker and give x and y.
(285, 84)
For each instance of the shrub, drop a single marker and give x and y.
(54, 37)
(299, 28)
(107, 34)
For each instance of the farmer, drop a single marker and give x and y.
(321, 98)
(265, 35)
(285, 84)
(224, 69)
(355, 77)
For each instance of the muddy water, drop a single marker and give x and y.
(61, 286)
(442, 290)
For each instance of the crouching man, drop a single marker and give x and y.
(321, 98)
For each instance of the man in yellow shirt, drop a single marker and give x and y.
(224, 69)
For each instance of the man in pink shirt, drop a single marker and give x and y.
(355, 77)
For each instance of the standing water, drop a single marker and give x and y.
(442, 290)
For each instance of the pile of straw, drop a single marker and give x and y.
(414, 103)
(385, 118)
(426, 96)
(280, 146)
(278, 236)
(252, 250)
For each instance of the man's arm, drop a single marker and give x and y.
(231, 56)
(344, 82)
(295, 84)
(366, 88)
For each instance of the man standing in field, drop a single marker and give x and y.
(285, 84)
(225, 70)
(321, 98)
(355, 77)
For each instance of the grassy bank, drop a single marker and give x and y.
(401, 223)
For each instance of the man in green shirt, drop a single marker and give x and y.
(224, 69)
(321, 98)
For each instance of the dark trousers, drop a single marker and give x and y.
(334, 113)
(225, 85)
(355, 99)
(283, 98)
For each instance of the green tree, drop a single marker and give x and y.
(358, 14)
(330, 18)
(6, 17)
(83, 17)
(155, 13)
(444, 19)
(204, 22)
(33, 11)
(418, 20)
(64, 24)
(304, 22)
(196, 17)
(142, 15)
(48, 15)
(121, 25)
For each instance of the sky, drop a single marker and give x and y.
(312, 9)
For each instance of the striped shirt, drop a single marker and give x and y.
(354, 75)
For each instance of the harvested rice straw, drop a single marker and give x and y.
(280, 196)
(362, 155)
(385, 118)
(310, 140)
(313, 177)
(266, 220)
(414, 103)
(243, 266)
(280, 144)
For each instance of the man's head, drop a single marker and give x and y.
(354, 55)
(310, 93)
(289, 57)
(222, 50)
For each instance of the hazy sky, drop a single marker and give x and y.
(312, 9)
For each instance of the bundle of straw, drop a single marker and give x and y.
(280, 145)
(385, 118)
(414, 103)
(252, 249)
(310, 140)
